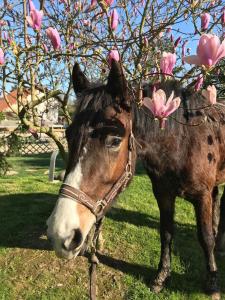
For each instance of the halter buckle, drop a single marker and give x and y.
(100, 205)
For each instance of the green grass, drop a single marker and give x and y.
(29, 268)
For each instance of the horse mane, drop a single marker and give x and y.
(194, 110)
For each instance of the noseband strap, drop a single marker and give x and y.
(100, 207)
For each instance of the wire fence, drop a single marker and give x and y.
(27, 145)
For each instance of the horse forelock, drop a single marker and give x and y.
(90, 113)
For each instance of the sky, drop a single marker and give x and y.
(183, 27)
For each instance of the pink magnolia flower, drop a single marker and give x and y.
(210, 94)
(114, 19)
(168, 62)
(8, 38)
(45, 48)
(160, 107)
(198, 83)
(2, 57)
(113, 54)
(2, 23)
(93, 3)
(209, 51)
(54, 37)
(205, 19)
(35, 18)
(109, 2)
(31, 5)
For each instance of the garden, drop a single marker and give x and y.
(105, 85)
(29, 268)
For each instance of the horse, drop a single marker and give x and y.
(187, 159)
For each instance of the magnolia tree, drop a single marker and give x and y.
(153, 40)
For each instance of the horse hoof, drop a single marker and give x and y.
(156, 288)
(162, 277)
(212, 287)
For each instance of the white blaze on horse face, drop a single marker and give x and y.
(64, 218)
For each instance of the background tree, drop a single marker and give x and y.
(40, 41)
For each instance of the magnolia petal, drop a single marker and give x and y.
(170, 98)
(167, 62)
(221, 51)
(31, 5)
(211, 48)
(173, 105)
(160, 95)
(147, 102)
(113, 54)
(30, 21)
(114, 19)
(159, 100)
(2, 57)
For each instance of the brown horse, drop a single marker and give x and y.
(186, 159)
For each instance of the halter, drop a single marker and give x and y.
(100, 207)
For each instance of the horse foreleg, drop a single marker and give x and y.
(166, 207)
(204, 216)
(220, 240)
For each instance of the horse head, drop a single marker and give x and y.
(100, 159)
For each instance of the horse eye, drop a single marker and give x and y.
(113, 141)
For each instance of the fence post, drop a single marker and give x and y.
(52, 165)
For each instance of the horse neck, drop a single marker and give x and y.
(153, 141)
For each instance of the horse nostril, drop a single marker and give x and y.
(77, 238)
(75, 242)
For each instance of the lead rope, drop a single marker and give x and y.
(94, 260)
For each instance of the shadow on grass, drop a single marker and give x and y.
(185, 246)
(139, 219)
(23, 220)
(146, 273)
(41, 160)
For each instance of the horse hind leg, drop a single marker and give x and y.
(204, 216)
(220, 240)
(216, 209)
(166, 207)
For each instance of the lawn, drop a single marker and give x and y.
(29, 268)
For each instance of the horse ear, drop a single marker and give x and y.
(80, 81)
(117, 84)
